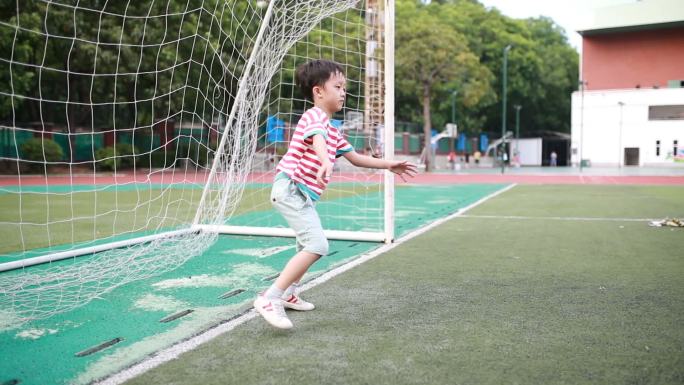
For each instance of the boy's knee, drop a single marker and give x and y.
(319, 245)
(323, 247)
(326, 249)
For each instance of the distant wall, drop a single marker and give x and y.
(629, 59)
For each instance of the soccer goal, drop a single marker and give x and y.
(133, 134)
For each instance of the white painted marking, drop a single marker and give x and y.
(154, 302)
(441, 201)
(260, 252)
(589, 219)
(238, 276)
(34, 334)
(174, 351)
(408, 213)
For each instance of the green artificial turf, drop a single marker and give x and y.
(57, 216)
(44, 351)
(482, 300)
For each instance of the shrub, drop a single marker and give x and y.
(156, 159)
(120, 157)
(41, 150)
(195, 153)
(106, 159)
(127, 153)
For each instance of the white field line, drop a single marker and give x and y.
(589, 219)
(176, 350)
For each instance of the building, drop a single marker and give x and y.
(629, 109)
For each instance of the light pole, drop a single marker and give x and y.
(582, 84)
(503, 113)
(621, 104)
(517, 125)
(453, 106)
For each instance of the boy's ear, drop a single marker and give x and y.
(316, 91)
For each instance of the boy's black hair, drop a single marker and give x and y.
(315, 73)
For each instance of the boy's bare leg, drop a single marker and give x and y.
(299, 279)
(295, 269)
(291, 275)
(270, 305)
(293, 288)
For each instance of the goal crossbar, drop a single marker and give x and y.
(364, 236)
(53, 257)
(287, 232)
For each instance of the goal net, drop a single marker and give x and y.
(133, 133)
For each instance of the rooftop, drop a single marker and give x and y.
(634, 16)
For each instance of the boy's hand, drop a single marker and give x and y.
(402, 168)
(324, 173)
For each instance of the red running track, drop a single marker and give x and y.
(548, 179)
(424, 178)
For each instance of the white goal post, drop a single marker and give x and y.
(132, 135)
(387, 235)
(384, 27)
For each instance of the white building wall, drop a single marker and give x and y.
(602, 128)
(530, 150)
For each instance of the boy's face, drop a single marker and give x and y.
(331, 95)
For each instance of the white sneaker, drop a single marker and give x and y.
(296, 303)
(273, 312)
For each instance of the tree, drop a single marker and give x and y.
(558, 76)
(542, 71)
(433, 58)
(542, 66)
(120, 64)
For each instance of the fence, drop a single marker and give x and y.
(82, 145)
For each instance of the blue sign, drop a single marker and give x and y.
(461, 145)
(484, 142)
(275, 129)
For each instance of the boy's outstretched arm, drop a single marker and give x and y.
(400, 168)
(325, 171)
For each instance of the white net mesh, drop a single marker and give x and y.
(121, 120)
(353, 201)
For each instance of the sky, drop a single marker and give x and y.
(567, 14)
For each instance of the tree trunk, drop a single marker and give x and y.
(427, 127)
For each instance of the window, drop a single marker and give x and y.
(657, 148)
(674, 148)
(673, 112)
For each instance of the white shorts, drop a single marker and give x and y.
(300, 213)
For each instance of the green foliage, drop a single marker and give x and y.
(42, 150)
(127, 153)
(156, 52)
(106, 159)
(448, 44)
(117, 157)
(542, 67)
(197, 154)
(158, 159)
(433, 59)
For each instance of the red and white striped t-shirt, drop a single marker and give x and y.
(301, 163)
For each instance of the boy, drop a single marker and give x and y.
(302, 176)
